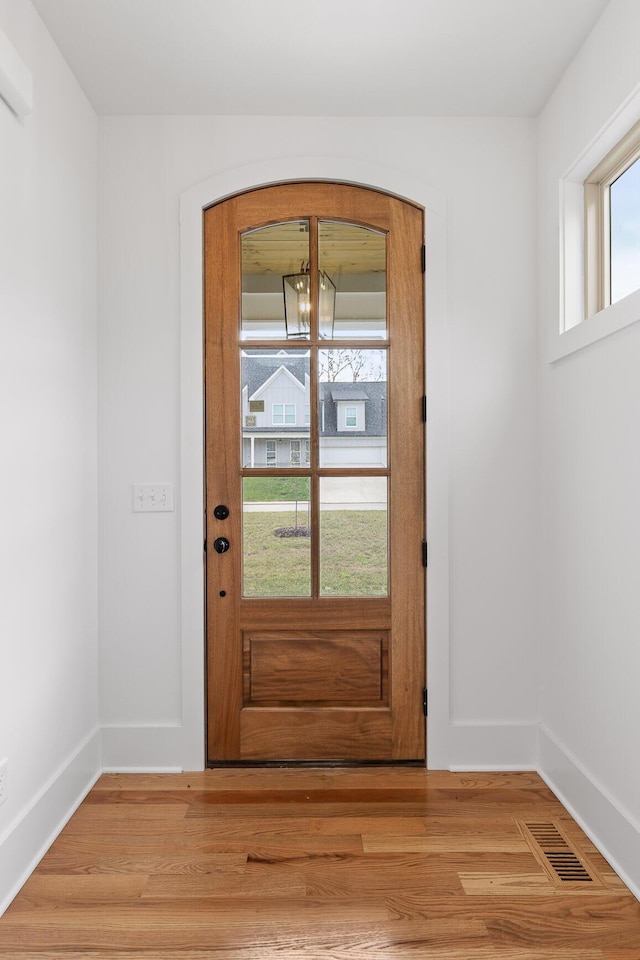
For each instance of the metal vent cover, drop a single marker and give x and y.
(555, 853)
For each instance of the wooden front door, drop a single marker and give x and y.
(314, 475)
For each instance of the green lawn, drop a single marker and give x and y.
(275, 488)
(353, 560)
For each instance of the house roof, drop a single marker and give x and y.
(376, 410)
(256, 369)
(344, 393)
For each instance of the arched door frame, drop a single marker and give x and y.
(191, 491)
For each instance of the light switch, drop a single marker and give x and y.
(152, 497)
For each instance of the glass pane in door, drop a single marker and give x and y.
(352, 407)
(275, 282)
(353, 537)
(352, 261)
(275, 408)
(276, 537)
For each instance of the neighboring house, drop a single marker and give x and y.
(276, 415)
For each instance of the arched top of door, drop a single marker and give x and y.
(349, 171)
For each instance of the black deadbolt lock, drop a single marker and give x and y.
(221, 512)
(221, 545)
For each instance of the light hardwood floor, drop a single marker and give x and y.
(322, 865)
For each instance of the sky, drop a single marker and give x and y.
(625, 233)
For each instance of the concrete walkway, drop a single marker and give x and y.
(339, 493)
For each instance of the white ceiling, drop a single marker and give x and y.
(319, 57)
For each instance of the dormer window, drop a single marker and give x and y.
(350, 409)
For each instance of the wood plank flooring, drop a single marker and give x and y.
(318, 864)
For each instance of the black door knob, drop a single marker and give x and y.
(221, 545)
(221, 512)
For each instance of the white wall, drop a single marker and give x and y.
(48, 553)
(590, 403)
(486, 168)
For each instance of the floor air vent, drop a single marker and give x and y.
(556, 855)
(568, 867)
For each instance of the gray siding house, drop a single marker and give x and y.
(276, 415)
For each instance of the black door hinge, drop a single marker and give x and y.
(424, 553)
(425, 702)
(424, 409)
(423, 257)
(204, 546)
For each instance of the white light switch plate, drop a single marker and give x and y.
(152, 497)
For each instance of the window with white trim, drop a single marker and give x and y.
(351, 416)
(294, 456)
(283, 413)
(612, 225)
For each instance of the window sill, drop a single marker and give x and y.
(619, 315)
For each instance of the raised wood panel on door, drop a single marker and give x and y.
(307, 668)
(353, 692)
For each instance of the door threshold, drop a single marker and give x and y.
(311, 764)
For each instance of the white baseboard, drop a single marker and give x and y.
(614, 832)
(142, 749)
(120, 768)
(27, 839)
(477, 746)
(493, 746)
